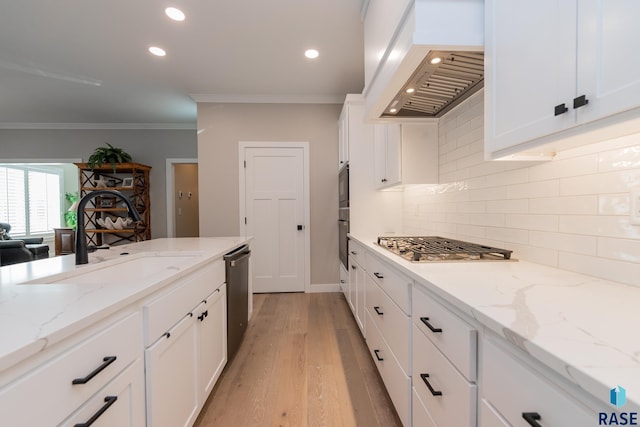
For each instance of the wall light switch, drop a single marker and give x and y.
(634, 199)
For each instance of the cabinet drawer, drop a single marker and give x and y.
(489, 417)
(420, 415)
(456, 405)
(164, 311)
(50, 388)
(513, 389)
(398, 384)
(456, 339)
(120, 403)
(393, 324)
(357, 252)
(394, 283)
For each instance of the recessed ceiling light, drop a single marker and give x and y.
(436, 60)
(174, 13)
(311, 53)
(157, 51)
(393, 110)
(410, 90)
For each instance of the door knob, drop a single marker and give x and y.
(300, 227)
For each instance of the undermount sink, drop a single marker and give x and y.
(128, 270)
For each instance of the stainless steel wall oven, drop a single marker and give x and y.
(343, 214)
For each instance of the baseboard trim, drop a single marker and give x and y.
(326, 287)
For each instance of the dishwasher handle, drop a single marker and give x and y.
(237, 255)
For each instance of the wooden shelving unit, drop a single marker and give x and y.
(138, 193)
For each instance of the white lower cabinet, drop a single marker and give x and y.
(212, 340)
(448, 397)
(517, 392)
(396, 381)
(171, 365)
(70, 378)
(184, 362)
(420, 415)
(120, 403)
(489, 417)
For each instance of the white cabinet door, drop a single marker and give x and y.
(171, 372)
(530, 62)
(344, 281)
(211, 317)
(387, 155)
(343, 137)
(353, 286)
(380, 155)
(120, 403)
(361, 275)
(608, 68)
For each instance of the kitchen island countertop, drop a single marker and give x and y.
(36, 315)
(583, 328)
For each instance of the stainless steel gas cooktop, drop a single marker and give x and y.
(439, 249)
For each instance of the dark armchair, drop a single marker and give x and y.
(13, 251)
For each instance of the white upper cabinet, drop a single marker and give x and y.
(405, 154)
(387, 141)
(552, 66)
(343, 137)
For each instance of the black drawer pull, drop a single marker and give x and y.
(167, 334)
(106, 362)
(377, 309)
(425, 320)
(560, 109)
(383, 180)
(580, 101)
(110, 400)
(380, 359)
(531, 418)
(378, 275)
(426, 381)
(354, 253)
(353, 267)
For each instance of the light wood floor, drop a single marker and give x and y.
(302, 363)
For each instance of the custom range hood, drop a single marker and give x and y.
(442, 81)
(433, 60)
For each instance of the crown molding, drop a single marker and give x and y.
(266, 99)
(87, 126)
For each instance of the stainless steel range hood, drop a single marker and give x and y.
(443, 80)
(427, 29)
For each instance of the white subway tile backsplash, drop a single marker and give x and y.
(585, 245)
(619, 271)
(620, 249)
(533, 189)
(572, 205)
(614, 204)
(509, 206)
(532, 222)
(601, 183)
(571, 212)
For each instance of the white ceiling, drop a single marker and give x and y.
(86, 62)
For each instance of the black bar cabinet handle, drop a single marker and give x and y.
(106, 362)
(426, 381)
(378, 356)
(425, 320)
(580, 101)
(110, 400)
(354, 253)
(377, 309)
(531, 418)
(560, 109)
(378, 275)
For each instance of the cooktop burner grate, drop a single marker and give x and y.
(435, 248)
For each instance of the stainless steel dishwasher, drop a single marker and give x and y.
(237, 274)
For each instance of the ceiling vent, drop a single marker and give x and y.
(442, 81)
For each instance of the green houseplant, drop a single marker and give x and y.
(70, 216)
(109, 154)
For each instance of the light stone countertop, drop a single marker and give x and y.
(35, 316)
(585, 329)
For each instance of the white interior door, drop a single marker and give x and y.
(275, 217)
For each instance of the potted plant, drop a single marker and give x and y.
(109, 154)
(71, 216)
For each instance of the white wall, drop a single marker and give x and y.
(571, 213)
